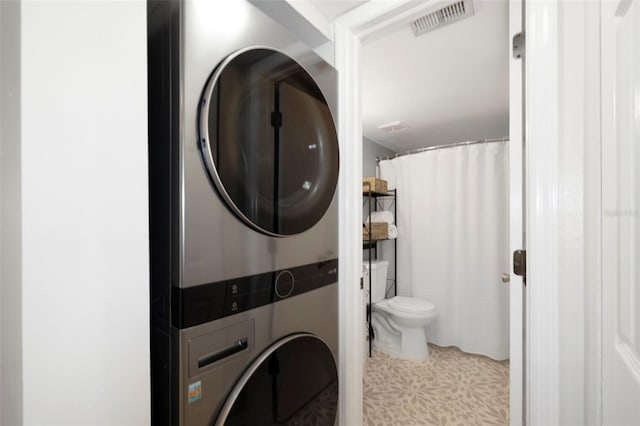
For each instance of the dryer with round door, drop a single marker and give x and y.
(293, 382)
(243, 169)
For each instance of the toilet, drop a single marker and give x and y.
(399, 323)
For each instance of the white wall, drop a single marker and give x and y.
(84, 219)
(302, 19)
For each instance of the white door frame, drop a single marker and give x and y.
(349, 30)
(516, 221)
(562, 128)
(541, 129)
(542, 196)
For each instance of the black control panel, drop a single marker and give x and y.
(207, 302)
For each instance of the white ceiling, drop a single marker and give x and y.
(331, 9)
(449, 85)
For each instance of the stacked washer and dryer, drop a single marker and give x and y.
(243, 168)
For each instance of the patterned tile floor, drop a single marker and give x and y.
(449, 388)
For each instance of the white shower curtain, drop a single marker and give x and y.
(453, 241)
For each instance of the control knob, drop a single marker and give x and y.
(284, 284)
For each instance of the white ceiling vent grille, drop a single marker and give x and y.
(395, 126)
(441, 17)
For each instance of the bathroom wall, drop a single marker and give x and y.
(371, 150)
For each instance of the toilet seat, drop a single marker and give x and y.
(410, 305)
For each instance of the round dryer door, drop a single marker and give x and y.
(269, 142)
(294, 382)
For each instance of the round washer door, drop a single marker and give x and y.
(294, 382)
(268, 141)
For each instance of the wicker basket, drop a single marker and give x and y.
(377, 185)
(379, 231)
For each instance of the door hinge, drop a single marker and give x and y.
(518, 45)
(361, 283)
(520, 264)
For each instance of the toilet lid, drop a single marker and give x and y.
(410, 304)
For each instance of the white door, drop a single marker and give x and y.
(516, 219)
(621, 212)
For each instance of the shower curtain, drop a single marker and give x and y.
(453, 241)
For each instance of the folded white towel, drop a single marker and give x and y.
(392, 232)
(384, 216)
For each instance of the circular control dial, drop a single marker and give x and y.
(284, 284)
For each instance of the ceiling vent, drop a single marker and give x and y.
(441, 17)
(393, 127)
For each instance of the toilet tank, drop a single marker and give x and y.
(379, 270)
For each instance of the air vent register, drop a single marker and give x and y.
(441, 17)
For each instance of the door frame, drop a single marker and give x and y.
(517, 235)
(542, 153)
(349, 31)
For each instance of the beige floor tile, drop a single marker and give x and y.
(449, 388)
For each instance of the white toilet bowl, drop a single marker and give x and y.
(399, 326)
(398, 323)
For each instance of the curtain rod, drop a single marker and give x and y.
(451, 145)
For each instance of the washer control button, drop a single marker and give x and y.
(284, 284)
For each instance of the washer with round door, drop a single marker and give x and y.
(243, 170)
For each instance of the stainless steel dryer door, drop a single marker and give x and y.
(269, 142)
(294, 382)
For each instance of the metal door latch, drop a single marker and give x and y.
(518, 46)
(520, 264)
